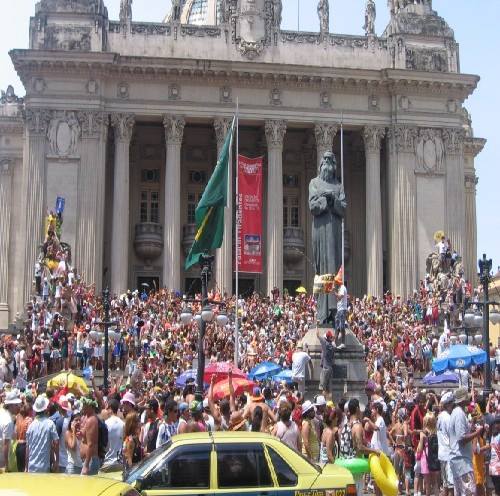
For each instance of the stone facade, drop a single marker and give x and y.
(124, 120)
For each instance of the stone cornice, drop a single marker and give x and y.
(474, 146)
(112, 66)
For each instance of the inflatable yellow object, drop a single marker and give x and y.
(384, 474)
(75, 384)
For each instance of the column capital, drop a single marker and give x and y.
(402, 138)
(174, 128)
(275, 133)
(92, 123)
(372, 136)
(454, 138)
(37, 121)
(221, 126)
(123, 125)
(324, 133)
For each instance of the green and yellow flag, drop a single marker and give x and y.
(209, 213)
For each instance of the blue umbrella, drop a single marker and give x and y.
(263, 371)
(284, 375)
(431, 378)
(459, 356)
(183, 378)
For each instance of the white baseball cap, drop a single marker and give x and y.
(13, 398)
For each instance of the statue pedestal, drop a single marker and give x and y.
(349, 370)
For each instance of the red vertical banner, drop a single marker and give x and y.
(249, 215)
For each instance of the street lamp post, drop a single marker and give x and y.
(206, 316)
(203, 318)
(485, 278)
(105, 302)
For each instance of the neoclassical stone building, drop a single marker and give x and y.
(124, 120)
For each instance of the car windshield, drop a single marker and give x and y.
(145, 465)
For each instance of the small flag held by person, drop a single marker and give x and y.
(209, 213)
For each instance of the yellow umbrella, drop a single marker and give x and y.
(75, 384)
(301, 290)
(438, 235)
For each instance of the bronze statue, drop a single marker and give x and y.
(327, 204)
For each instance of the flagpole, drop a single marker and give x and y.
(342, 181)
(237, 237)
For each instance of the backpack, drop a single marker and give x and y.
(432, 453)
(102, 438)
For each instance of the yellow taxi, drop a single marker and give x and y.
(22, 484)
(235, 463)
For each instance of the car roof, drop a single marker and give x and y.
(56, 484)
(241, 436)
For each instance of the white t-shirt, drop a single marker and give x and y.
(115, 439)
(443, 434)
(379, 439)
(342, 298)
(442, 247)
(299, 362)
(6, 432)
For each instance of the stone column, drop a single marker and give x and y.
(472, 147)
(89, 244)
(224, 255)
(5, 208)
(275, 133)
(324, 133)
(174, 131)
(34, 192)
(123, 125)
(402, 211)
(372, 136)
(455, 188)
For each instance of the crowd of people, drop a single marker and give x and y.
(437, 442)
(150, 347)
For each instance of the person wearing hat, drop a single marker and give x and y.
(127, 403)
(326, 363)
(42, 440)
(300, 360)
(11, 407)
(257, 400)
(443, 433)
(461, 436)
(310, 441)
(196, 424)
(90, 437)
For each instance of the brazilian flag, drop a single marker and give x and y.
(209, 213)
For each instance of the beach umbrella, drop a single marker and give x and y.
(221, 371)
(185, 376)
(284, 375)
(447, 377)
(240, 385)
(263, 371)
(459, 356)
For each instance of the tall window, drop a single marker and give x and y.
(150, 206)
(291, 211)
(193, 199)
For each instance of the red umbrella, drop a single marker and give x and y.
(240, 385)
(221, 371)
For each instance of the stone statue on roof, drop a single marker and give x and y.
(370, 15)
(125, 11)
(324, 16)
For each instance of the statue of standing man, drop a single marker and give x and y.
(327, 204)
(324, 16)
(370, 15)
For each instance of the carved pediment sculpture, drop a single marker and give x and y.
(252, 27)
(63, 134)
